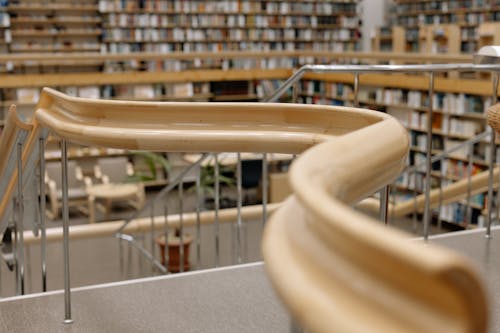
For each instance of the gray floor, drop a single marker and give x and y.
(223, 300)
(484, 253)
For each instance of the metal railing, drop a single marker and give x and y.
(357, 71)
(431, 70)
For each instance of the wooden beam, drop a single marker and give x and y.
(23, 58)
(412, 82)
(86, 79)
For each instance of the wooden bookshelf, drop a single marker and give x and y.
(54, 26)
(458, 116)
(445, 25)
(188, 26)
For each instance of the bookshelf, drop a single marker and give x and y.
(61, 26)
(213, 26)
(445, 25)
(458, 116)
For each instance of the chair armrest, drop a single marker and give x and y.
(79, 173)
(97, 172)
(53, 210)
(87, 181)
(130, 169)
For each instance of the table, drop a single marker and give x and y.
(110, 192)
(231, 158)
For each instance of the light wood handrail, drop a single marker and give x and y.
(340, 271)
(15, 131)
(335, 268)
(140, 225)
(448, 194)
(196, 127)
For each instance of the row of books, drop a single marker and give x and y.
(442, 5)
(458, 213)
(459, 169)
(173, 65)
(452, 126)
(181, 35)
(139, 91)
(447, 102)
(231, 6)
(121, 47)
(469, 18)
(4, 19)
(126, 20)
(327, 89)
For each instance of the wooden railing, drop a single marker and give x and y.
(336, 269)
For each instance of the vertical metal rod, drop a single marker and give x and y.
(295, 92)
(492, 160)
(152, 234)
(14, 249)
(129, 262)
(165, 236)
(216, 202)
(65, 212)
(415, 209)
(121, 257)
(384, 204)
(497, 202)
(356, 90)
(29, 280)
(20, 217)
(468, 212)
(440, 203)
(1, 281)
(239, 204)
(265, 188)
(427, 210)
(181, 227)
(43, 240)
(198, 222)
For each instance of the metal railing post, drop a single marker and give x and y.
(468, 212)
(384, 204)
(427, 210)
(65, 212)
(239, 204)
(356, 90)
(216, 210)
(198, 221)
(265, 188)
(20, 219)
(181, 227)
(492, 160)
(43, 234)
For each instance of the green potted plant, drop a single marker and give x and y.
(154, 162)
(207, 183)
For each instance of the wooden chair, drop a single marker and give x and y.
(115, 171)
(77, 188)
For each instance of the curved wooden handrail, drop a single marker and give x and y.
(196, 127)
(340, 271)
(454, 192)
(15, 131)
(448, 194)
(335, 268)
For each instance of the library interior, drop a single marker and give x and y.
(249, 166)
